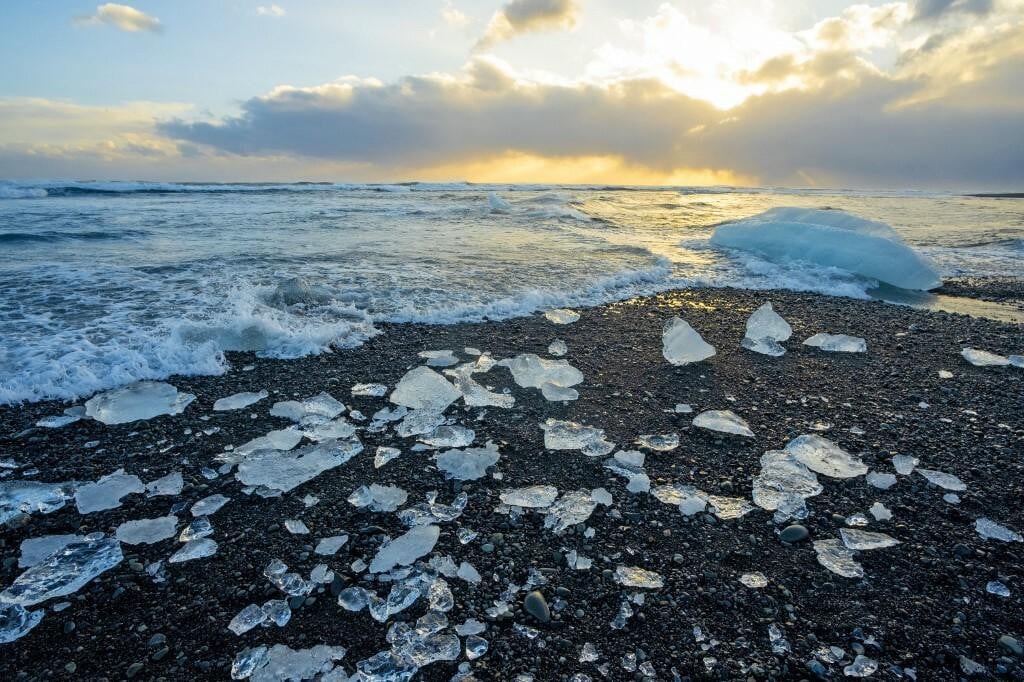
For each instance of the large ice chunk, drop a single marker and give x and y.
(565, 435)
(562, 316)
(29, 497)
(765, 331)
(378, 498)
(141, 400)
(319, 408)
(532, 371)
(64, 572)
(36, 550)
(469, 464)
(107, 492)
(147, 531)
(273, 470)
(534, 496)
(983, 358)
(682, 345)
(723, 421)
(423, 388)
(784, 482)
(830, 238)
(836, 557)
(825, 457)
(406, 548)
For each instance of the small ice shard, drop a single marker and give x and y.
(723, 421)
(862, 666)
(562, 316)
(378, 498)
(945, 374)
(777, 639)
(466, 535)
(589, 654)
(473, 394)
(943, 480)
(36, 550)
(406, 548)
(141, 400)
(634, 576)
(601, 496)
(564, 435)
(319, 408)
(727, 508)
(689, 500)
(282, 663)
(384, 455)
(755, 580)
(329, 430)
(983, 358)
(16, 622)
(194, 549)
(238, 401)
(107, 492)
(171, 484)
(469, 464)
(683, 408)
(857, 520)
(993, 587)
(904, 464)
(838, 558)
(199, 528)
(880, 512)
(470, 627)
(1015, 361)
(423, 388)
(557, 348)
(837, 343)
(825, 457)
(210, 504)
(246, 619)
(449, 436)
(246, 661)
(555, 393)
(284, 471)
(532, 371)
(682, 345)
(475, 647)
(70, 416)
(569, 510)
(64, 572)
(281, 439)
(863, 540)
(369, 390)
(990, 530)
(418, 422)
(530, 497)
(659, 442)
(147, 531)
(292, 584)
(439, 358)
(784, 482)
(296, 527)
(629, 464)
(879, 480)
(330, 546)
(765, 331)
(468, 573)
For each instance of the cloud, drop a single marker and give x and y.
(270, 11)
(122, 17)
(451, 15)
(524, 16)
(934, 9)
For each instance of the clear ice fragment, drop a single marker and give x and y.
(682, 345)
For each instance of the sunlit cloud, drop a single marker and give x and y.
(452, 16)
(123, 17)
(524, 16)
(271, 11)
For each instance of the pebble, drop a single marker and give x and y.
(134, 669)
(1012, 645)
(794, 533)
(535, 605)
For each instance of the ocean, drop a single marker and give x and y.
(104, 283)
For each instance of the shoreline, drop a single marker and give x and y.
(906, 612)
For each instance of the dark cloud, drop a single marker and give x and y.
(933, 9)
(523, 16)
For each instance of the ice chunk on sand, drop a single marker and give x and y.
(556, 393)
(830, 238)
(378, 498)
(449, 436)
(319, 408)
(147, 531)
(64, 572)
(882, 481)
(473, 394)
(983, 358)
(199, 528)
(35, 550)
(369, 390)
(141, 400)
(943, 480)
(419, 422)
(107, 492)
(283, 471)
(862, 666)
(723, 421)
(682, 345)
(330, 546)
(296, 526)
(765, 331)
(199, 548)
(727, 508)
(384, 455)
(629, 464)
(825, 457)
(15, 621)
(634, 576)
(282, 663)
(689, 500)
(784, 482)
(171, 484)
(562, 316)
(880, 512)
(564, 435)
(210, 504)
(532, 371)
(755, 580)
(659, 442)
(557, 348)
(990, 530)
(70, 416)
(329, 430)
(416, 542)
(836, 557)
(281, 439)
(904, 464)
(29, 497)
(423, 388)
(570, 509)
(238, 401)
(469, 464)
(837, 343)
(865, 539)
(439, 358)
(1016, 361)
(534, 496)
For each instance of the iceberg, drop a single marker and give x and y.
(141, 400)
(682, 345)
(833, 239)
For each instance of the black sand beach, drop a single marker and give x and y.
(922, 604)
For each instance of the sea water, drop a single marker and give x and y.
(105, 283)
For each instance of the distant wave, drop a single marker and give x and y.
(51, 236)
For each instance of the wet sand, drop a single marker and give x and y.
(922, 604)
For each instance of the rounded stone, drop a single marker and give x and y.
(1012, 645)
(535, 605)
(794, 533)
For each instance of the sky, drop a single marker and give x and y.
(916, 94)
